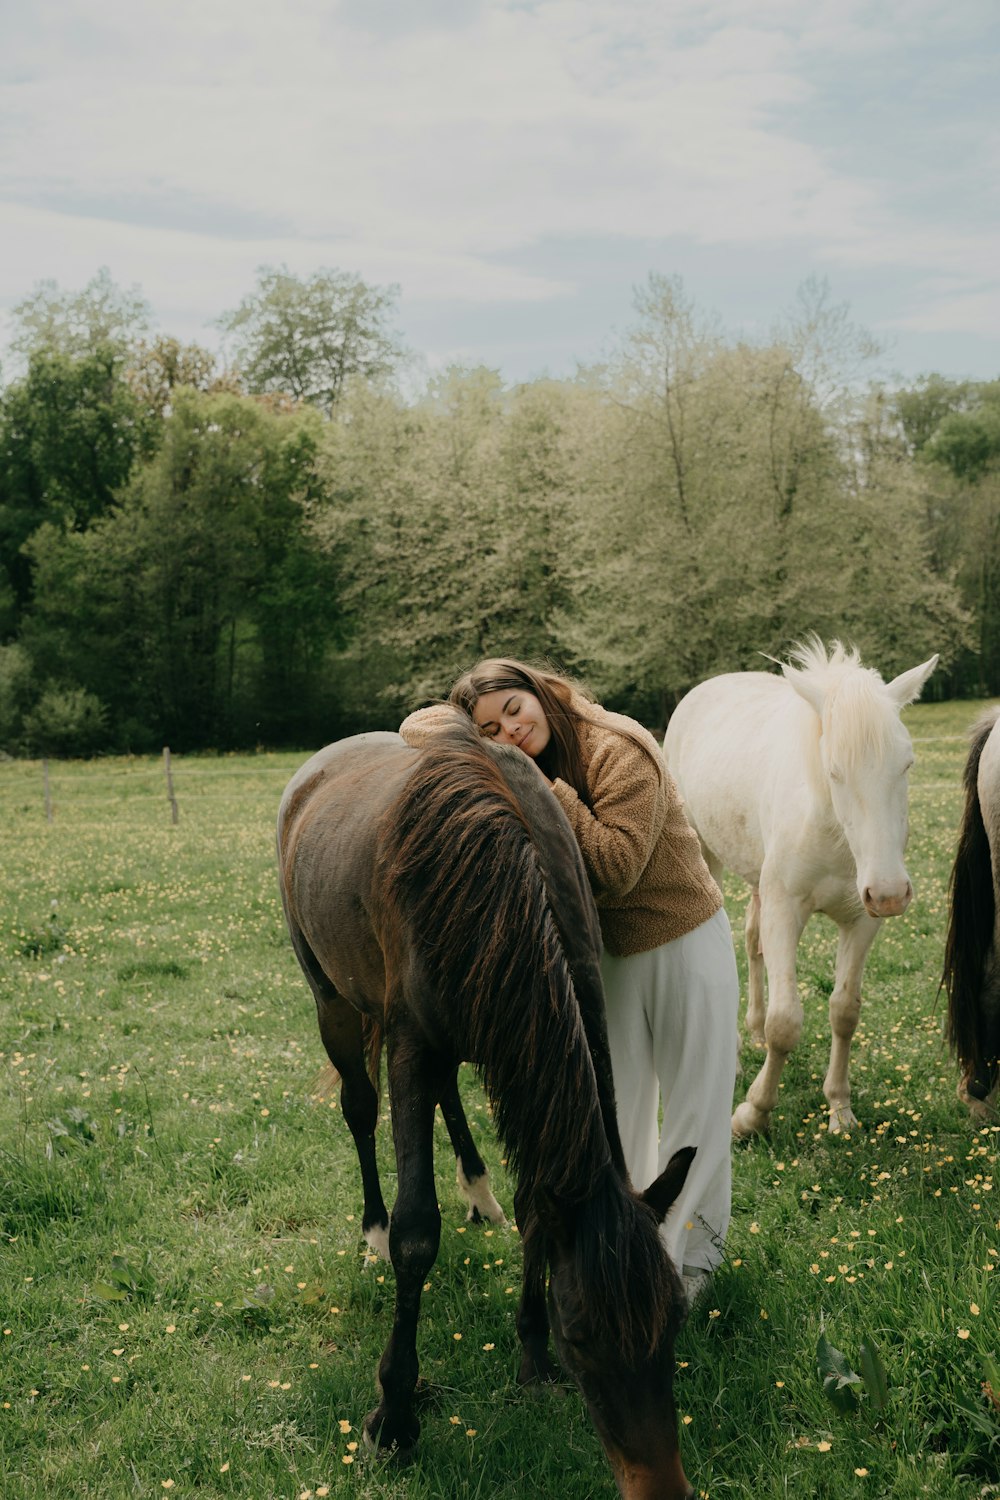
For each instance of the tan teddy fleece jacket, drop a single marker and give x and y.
(649, 878)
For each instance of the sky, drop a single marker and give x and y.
(516, 167)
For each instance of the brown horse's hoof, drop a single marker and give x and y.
(534, 1373)
(538, 1390)
(427, 1393)
(392, 1452)
(979, 1108)
(544, 1390)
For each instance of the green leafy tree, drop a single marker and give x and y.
(722, 513)
(213, 510)
(953, 430)
(198, 609)
(15, 695)
(156, 368)
(968, 442)
(921, 408)
(76, 323)
(85, 630)
(69, 433)
(900, 602)
(306, 336)
(451, 519)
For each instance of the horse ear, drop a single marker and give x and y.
(907, 687)
(804, 686)
(662, 1193)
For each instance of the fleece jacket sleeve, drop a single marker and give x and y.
(618, 833)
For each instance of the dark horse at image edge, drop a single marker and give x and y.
(972, 947)
(438, 904)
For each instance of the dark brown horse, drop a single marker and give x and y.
(437, 900)
(972, 948)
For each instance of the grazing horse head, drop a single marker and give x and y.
(614, 1306)
(972, 959)
(866, 754)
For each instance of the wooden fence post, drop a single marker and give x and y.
(170, 784)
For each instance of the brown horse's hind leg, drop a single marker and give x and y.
(472, 1176)
(340, 1028)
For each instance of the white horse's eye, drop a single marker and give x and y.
(835, 774)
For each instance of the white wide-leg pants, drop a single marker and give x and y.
(672, 1028)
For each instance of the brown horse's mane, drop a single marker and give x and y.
(461, 882)
(972, 905)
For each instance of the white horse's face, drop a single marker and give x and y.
(867, 755)
(870, 799)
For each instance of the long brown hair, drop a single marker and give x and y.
(563, 755)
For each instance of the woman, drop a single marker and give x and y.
(669, 968)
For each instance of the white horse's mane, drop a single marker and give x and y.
(859, 718)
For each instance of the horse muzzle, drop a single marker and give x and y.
(636, 1482)
(886, 903)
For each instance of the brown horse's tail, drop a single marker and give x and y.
(328, 1077)
(972, 916)
(372, 1034)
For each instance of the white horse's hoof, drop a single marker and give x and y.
(843, 1119)
(477, 1194)
(748, 1120)
(377, 1239)
(491, 1212)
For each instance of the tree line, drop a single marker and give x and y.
(302, 541)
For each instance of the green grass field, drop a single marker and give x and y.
(185, 1300)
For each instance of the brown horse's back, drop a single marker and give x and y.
(328, 826)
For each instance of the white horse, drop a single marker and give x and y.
(798, 784)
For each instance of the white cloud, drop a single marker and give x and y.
(191, 278)
(185, 145)
(975, 312)
(478, 140)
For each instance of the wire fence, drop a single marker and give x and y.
(175, 781)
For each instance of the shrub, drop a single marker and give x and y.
(66, 721)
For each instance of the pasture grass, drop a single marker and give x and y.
(186, 1302)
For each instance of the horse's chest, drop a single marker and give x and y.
(837, 898)
(815, 866)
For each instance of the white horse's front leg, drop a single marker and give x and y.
(845, 1007)
(756, 997)
(781, 922)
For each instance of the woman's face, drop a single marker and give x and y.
(513, 717)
